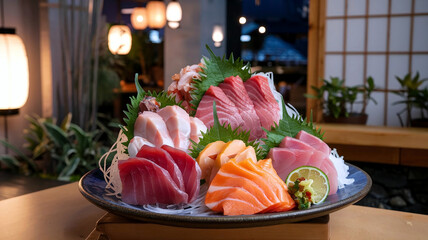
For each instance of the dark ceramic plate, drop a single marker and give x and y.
(92, 188)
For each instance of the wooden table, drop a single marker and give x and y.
(63, 213)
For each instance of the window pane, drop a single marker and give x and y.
(355, 35)
(334, 35)
(420, 33)
(377, 34)
(400, 34)
(335, 7)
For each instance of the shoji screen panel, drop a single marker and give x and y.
(378, 38)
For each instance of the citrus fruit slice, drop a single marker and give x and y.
(320, 185)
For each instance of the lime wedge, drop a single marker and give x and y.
(320, 185)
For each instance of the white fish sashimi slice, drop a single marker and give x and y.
(197, 127)
(135, 145)
(178, 124)
(151, 126)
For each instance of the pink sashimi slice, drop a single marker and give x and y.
(234, 89)
(285, 160)
(196, 129)
(145, 182)
(190, 170)
(293, 143)
(178, 124)
(151, 126)
(164, 160)
(267, 108)
(226, 109)
(313, 141)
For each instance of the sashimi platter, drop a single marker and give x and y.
(220, 148)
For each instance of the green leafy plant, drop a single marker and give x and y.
(215, 71)
(413, 97)
(288, 126)
(339, 100)
(66, 149)
(133, 108)
(225, 133)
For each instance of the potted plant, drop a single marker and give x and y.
(338, 100)
(415, 99)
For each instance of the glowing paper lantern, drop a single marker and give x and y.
(173, 14)
(139, 18)
(14, 72)
(156, 14)
(217, 35)
(119, 39)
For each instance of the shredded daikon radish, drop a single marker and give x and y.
(111, 174)
(341, 168)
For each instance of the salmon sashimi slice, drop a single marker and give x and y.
(313, 141)
(235, 90)
(267, 108)
(164, 160)
(151, 126)
(247, 188)
(189, 169)
(178, 124)
(145, 182)
(226, 109)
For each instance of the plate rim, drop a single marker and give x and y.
(241, 221)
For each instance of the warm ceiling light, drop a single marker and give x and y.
(119, 39)
(262, 29)
(14, 72)
(156, 14)
(173, 14)
(139, 18)
(242, 20)
(217, 35)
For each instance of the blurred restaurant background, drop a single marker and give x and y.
(78, 59)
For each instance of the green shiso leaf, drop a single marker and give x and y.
(133, 108)
(225, 133)
(215, 71)
(288, 126)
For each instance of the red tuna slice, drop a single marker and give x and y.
(178, 124)
(145, 182)
(286, 160)
(294, 143)
(313, 141)
(190, 170)
(234, 89)
(164, 160)
(267, 108)
(226, 109)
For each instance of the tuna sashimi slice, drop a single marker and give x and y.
(267, 108)
(164, 160)
(313, 141)
(293, 143)
(226, 109)
(196, 129)
(247, 188)
(145, 182)
(234, 89)
(285, 160)
(190, 170)
(178, 124)
(151, 126)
